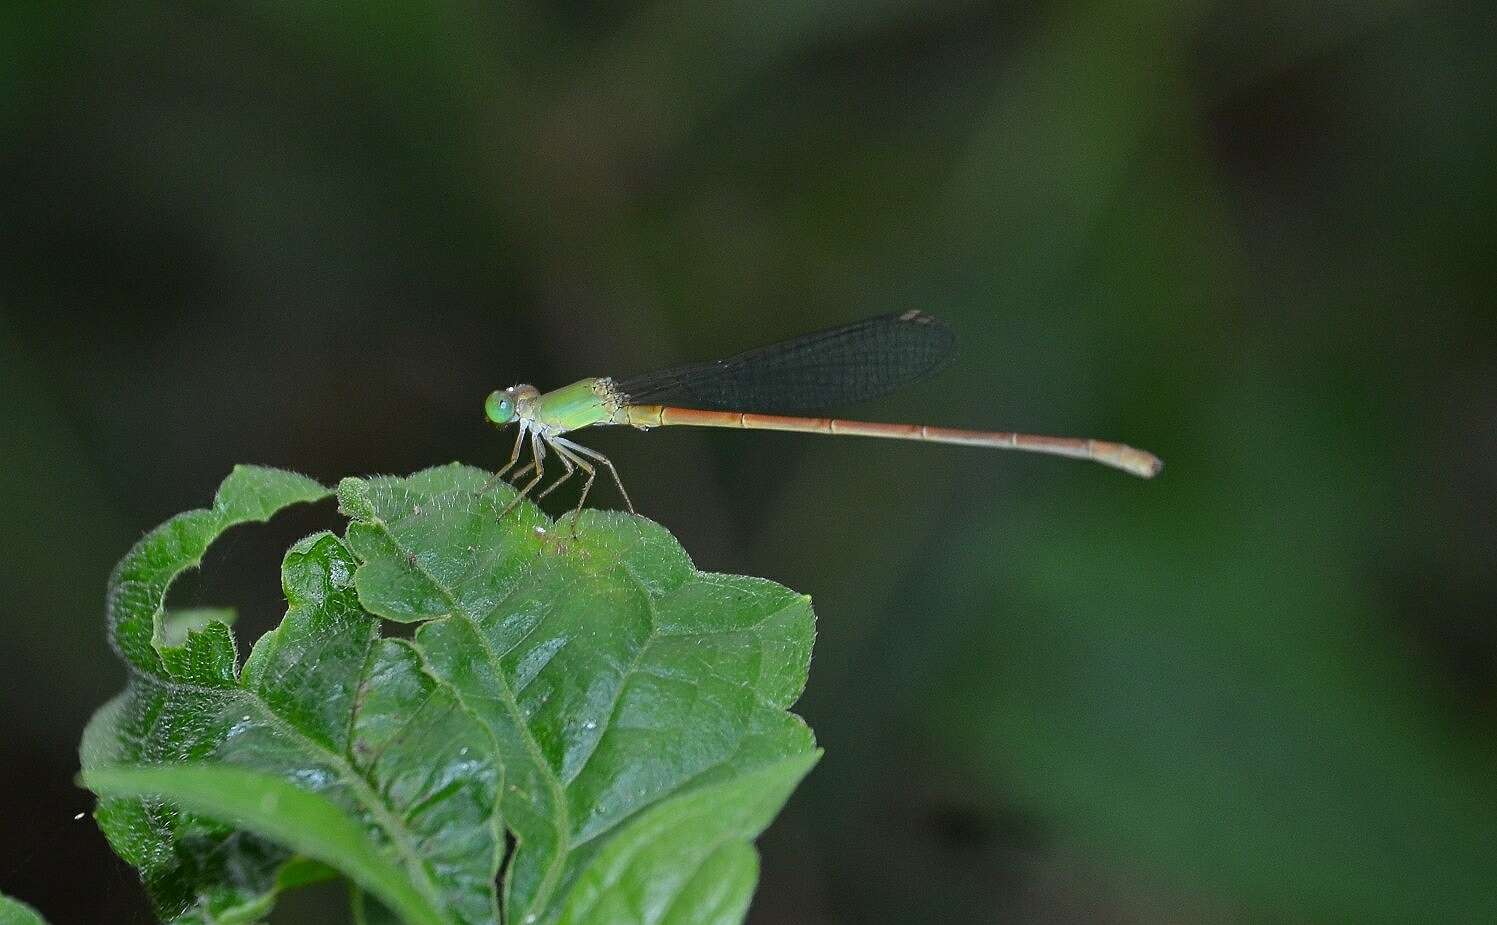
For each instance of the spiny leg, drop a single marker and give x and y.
(540, 472)
(520, 473)
(515, 476)
(537, 453)
(594, 454)
(566, 461)
(562, 449)
(514, 457)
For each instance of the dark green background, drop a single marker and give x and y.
(1260, 688)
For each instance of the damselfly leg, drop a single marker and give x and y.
(540, 472)
(514, 457)
(563, 450)
(567, 464)
(594, 454)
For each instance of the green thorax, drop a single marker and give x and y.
(571, 407)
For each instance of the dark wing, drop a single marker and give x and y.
(814, 372)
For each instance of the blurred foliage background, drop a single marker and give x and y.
(1254, 238)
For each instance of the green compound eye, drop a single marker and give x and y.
(499, 407)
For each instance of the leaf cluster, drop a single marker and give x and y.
(589, 715)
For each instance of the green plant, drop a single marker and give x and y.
(622, 715)
(15, 912)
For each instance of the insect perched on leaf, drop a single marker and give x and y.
(771, 388)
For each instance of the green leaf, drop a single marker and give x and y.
(614, 676)
(322, 703)
(15, 912)
(137, 589)
(687, 858)
(638, 706)
(176, 625)
(268, 806)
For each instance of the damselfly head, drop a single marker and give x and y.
(502, 405)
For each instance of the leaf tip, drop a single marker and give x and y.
(353, 499)
(256, 492)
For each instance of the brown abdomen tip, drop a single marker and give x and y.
(1145, 464)
(1141, 463)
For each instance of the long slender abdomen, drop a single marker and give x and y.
(1117, 455)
